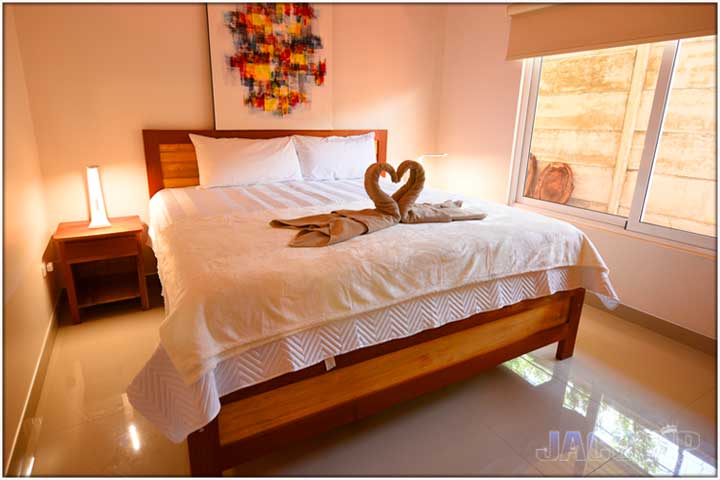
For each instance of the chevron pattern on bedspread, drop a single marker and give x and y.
(178, 409)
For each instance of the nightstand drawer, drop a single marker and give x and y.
(98, 249)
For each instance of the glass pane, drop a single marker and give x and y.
(589, 130)
(683, 182)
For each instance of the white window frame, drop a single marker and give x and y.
(521, 153)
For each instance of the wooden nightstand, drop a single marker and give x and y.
(102, 265)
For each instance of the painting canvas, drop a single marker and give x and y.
(270, 65)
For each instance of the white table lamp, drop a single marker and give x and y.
(98, 216)
(419, 159)
(430, 155)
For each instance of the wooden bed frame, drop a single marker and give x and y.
(258, 419)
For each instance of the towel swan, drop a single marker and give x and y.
(341, 225)
(384, 203)
(406, 195)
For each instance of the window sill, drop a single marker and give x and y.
(618, 230)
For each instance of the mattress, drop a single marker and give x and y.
(220, 263)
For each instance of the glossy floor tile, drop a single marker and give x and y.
(647, 373)
(439, 434)
(630, 402)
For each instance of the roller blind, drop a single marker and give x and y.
(542, 29)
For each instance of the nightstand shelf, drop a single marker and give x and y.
(102, 265)
(111, 288)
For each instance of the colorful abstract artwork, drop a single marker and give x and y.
(275, 54)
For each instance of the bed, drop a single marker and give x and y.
(264, 345)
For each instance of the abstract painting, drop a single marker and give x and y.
(275, 54)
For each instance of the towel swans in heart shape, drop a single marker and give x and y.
(335, 227)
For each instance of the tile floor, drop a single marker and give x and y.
(630, 402)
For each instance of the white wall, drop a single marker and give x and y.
(477, 103)
(27, 300)
(387, 72)
(97, 74)
(675, 284)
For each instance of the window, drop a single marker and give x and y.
(624, 135)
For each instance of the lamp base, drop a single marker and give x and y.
(99, 223)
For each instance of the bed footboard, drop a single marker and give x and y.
(258, 419)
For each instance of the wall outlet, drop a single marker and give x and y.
(46, 267)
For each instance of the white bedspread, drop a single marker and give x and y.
(242, 307)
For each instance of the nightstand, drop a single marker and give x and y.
(102, 265)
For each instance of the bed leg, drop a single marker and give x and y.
(566, 346)
(204, 449)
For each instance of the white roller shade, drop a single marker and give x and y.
(542, 29)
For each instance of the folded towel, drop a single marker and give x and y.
(321, 230)
(340, 225)
(411, 212)
(448, 211)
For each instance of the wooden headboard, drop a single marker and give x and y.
(170, 155)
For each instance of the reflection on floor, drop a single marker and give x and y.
(630, 402)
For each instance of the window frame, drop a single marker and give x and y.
(527, 104)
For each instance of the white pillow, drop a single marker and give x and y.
(335, 158)
(244, 161)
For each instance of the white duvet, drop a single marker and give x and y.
(231, 283)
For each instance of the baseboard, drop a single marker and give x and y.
(15, 464)
(663, 327)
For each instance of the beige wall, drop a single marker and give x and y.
(387, 61)
(668, 282)
(97, 75)
(27, 306)
(88, 78)
(477, 103)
